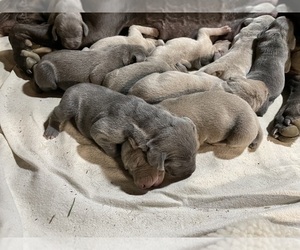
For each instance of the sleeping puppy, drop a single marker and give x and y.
(287, 120)
(272, 58)
(111, 118)
(158, 87)
(178, 54)
(67, 24)
(144, 175)
(135, 37)
(237, 62)
(221, 118)
(64, 68)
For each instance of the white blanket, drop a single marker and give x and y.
(67, 187)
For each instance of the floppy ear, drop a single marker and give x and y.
(54, 34)
(161, 164)
(85, 29)
(137, 138)
(132, 143)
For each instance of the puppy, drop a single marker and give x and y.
(144, 175)
(64, 68)
(272, 58)
(221, 118)
(287, 120)
(178, 54)
(237, 62)
(158, 87)
(67, 24)
(135, 37)
(110, 118)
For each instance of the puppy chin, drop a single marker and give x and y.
(71, 44)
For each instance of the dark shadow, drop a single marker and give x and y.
(32, 90)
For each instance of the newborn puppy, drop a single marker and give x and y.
(221, 118)
(287, 120)
(238, 60)
(67, 23)
(135, 37)
(111, 118)
(158, 87)
(178, 54)
(144, 175)
(64, 68)
(272, 58)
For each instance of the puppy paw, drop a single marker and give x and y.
(225, 29)
(286, 126)
(51, 133)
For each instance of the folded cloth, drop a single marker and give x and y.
(67, 187)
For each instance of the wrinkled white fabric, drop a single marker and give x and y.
(67, 187)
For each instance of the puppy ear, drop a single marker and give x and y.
(85, 29)
(161, 164)
(137, 137)
(132, 143)
(54, 34)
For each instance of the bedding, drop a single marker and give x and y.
(67, 187)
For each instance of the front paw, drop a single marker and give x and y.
(286, 126)
(33, 55)
(51, 133)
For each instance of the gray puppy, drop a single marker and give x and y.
(64, 68)
(111, 118)
(144, 175)
(237, 62)
(272, 58)
(67, 23)
(221, 118)
(178, 54)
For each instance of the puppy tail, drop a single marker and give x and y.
(258, 139)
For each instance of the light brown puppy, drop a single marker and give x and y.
(144, 175)
(158, 87)
(135, 37)
(237, 62)
(178, 54)
(221, 118)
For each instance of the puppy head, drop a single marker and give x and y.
(70, 28)
(174, 148)
(134, 160)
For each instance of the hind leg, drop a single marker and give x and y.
(213, 31)
(61, 113)
(45, 76)
(287, 120)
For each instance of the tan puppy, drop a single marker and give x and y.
(178, 54)
(221, 118)
(158, 87)
(144, 175)
(237, 62)
(135, 37)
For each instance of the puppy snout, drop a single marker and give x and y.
(71, 43)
